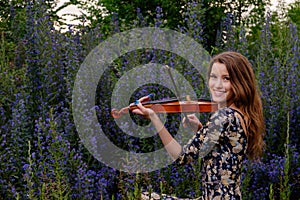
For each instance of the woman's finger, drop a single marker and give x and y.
(191, 116)
(137, 111)
(187, 120)
(184, 122)
(141, 107)
(146, 98)
(143, 99)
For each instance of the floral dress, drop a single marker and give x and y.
(222, 145)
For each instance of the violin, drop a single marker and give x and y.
(171, 106)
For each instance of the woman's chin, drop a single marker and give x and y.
(219, 100)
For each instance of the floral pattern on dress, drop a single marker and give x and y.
(222, 145)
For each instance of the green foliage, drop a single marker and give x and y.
(294, 14)
(127, 11)
(285, 190)
(213, 16)
(12, 18)
(28, 179)
(220, 15)
(49, 181)
(11, 76)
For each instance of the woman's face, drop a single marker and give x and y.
(219, 83)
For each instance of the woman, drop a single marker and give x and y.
(232, 133)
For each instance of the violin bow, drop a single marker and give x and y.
(177, 93)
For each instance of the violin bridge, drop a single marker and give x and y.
(188, 98)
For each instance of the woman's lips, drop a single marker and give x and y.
(219, 93)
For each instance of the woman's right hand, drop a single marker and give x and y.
(193, 122)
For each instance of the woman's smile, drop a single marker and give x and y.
(218, 93)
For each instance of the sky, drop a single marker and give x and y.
(70, 9)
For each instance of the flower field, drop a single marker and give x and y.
(43, 157)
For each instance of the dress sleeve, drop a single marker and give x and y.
(205, 139)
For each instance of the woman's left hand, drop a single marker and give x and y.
(192, 121)
(141, 110)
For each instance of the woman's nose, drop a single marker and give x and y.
(219, 83)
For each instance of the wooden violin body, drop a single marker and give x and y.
(171, 106)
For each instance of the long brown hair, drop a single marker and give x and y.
(245, 96)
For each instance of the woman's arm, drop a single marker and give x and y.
(198, 146)
(171, 145)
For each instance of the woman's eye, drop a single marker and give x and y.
(226, 78)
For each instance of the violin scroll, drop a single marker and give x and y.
(115, 113)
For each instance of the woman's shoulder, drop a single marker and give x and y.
(230, 116)
(228, 113)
